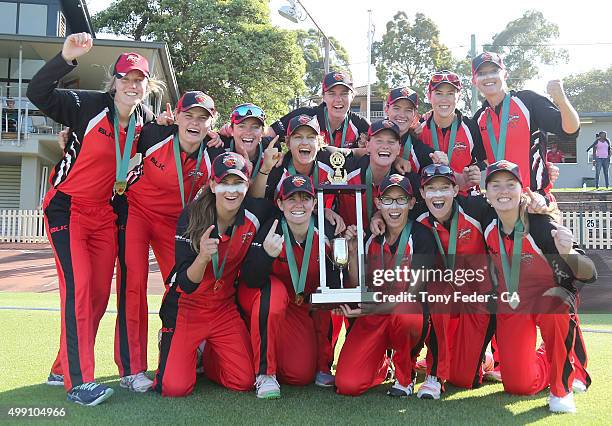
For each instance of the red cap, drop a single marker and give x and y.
(130, 61)
(196, 99)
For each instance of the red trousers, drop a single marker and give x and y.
(283, 334)
(137, 231)
(364, 351)
(526, 371)
(83, 237)
(228, 358)
(456, 347)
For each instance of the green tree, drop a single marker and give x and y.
(524, 44)
(409, 53)
(227, 48)
(311, 42)
(590, 91)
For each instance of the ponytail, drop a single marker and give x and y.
(201, 217)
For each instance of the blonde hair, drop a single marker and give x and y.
(154, 84)
(552, 210)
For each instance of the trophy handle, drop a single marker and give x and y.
(321, 220)
(360, 242)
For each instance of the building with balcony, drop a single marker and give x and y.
(31, 33)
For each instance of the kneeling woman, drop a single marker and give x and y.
(280, 272)
(213, 236)
(537, 267)
(399, 327)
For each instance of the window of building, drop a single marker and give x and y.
(561, 149)
(32, 19)
(8, 17)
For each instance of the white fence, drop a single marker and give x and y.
(22, 226)
(593, 230)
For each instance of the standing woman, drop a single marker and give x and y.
(601, 157)
(177, 164)
(79, 218)
(212, 238)
(535, 262)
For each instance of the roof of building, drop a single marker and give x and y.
(77, 16)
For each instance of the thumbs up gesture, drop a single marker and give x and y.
(273, 244)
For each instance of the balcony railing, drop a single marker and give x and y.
(374, 115)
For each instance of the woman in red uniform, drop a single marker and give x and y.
(79, 218)
(278, 276)
(537, 267)
(399, 326)
(212, 238)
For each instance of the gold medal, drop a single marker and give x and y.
(218, 285)
(120, 187)
(299, 299)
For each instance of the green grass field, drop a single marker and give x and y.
(30, 338)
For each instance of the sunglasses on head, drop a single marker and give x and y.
(441, 76)
(248, 110)
(437, 170)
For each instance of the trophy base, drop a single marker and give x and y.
(333, 298)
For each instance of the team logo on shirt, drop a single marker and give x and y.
(298, 181)
(464, 234)
(527, 258)
(513, 120)
(246, 236)
(460, 146)
(132, 59)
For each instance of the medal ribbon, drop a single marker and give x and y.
(369, 192)
(298, 278)
(315, 172)
(401, 249)
(451, 142)
(218, 272)
(407, 148)
(123, 159)
(331, 134)
(179, 169)
(499, 147)
(511, 272)
(449, 258)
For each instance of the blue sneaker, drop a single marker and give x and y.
(325, 380)
(55, 379)
(89, 394)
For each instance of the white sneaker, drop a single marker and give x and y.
(400, 391)
(562, 404)
(136, 382)
(267, 387)
(577, 386)
(430, 389)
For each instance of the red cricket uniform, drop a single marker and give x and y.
(79, 218)
(193, 312)
(460, 333)
(530, 113)
(524, 370)
(148, 214)
(403, 330)
(355, 126)
(356, 170)
(419, 152)
(468, 147)
(285, 332)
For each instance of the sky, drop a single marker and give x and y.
(584, 28)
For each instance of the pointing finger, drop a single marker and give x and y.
(206, 234)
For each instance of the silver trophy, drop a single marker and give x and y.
(325, 296)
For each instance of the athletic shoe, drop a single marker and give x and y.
(55, 379)
(136, 382)
(577, 386)
(421, 365)
(562, 404)
(400, 391)
(89, 394)
(325, 380)
(490, 371)
(267, 387)
(430, 389)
